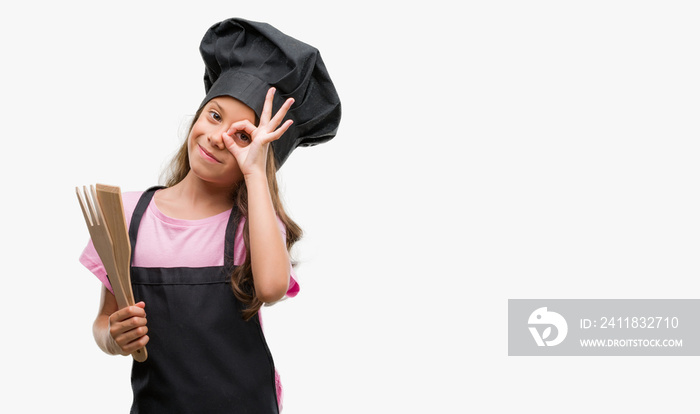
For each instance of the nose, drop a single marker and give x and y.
(216, 139)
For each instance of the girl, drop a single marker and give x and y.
(212, 246)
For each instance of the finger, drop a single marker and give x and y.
(237, 141)
(131, 335)
(240, 135)
(244, 125)
(229, 143)
(267, 107)
(279, 116)
(127, 331)
(119, 329)
(126, 313)
(127, 323)
(273, 123)
(234, 144)
(134, 345)
(277, 134)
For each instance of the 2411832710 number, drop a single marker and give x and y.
(644, 322)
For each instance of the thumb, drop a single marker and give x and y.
(230, 143)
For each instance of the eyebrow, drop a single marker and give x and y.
(218, 106)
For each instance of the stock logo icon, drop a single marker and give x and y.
(545, 320)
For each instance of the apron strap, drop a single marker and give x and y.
(136, 217)
(140, 210)
(229, 245)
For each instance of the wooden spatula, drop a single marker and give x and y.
(110, 200)
(99, 233)
(102, 240)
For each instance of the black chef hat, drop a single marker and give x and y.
(243, 59)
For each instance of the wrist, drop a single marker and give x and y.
(111, 345)
(255, 178)
(103, 337)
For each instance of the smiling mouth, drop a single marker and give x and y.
(208, 155)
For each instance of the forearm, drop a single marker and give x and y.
(268, 250)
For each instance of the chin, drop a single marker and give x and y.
(203, 174)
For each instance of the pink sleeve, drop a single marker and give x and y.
(239, 256)
(91, 260)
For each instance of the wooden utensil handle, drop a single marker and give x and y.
(140, 355)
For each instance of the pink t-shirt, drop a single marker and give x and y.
(168, 242)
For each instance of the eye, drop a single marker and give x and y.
(243, 138)
(215, 116)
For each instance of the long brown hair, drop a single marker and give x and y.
(242, 276)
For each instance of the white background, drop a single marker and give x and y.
(488, 150)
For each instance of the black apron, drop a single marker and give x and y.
(202, 356)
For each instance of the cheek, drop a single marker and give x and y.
(190, 147)
(197, 131)
(198, 128)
